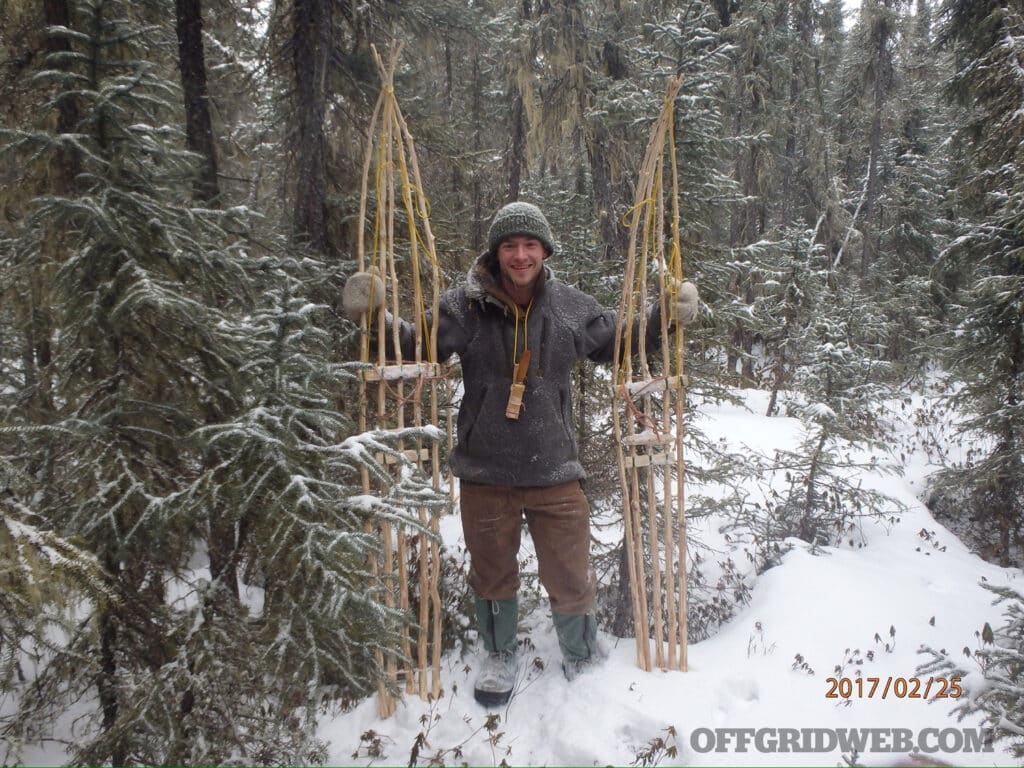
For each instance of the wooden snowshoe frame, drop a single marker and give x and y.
(402, 394)
(648, 407)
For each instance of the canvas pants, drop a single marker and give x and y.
(559, 520)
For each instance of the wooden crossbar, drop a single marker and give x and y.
(402, 371)
(665, 459)
(650, 386)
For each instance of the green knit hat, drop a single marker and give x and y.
(520, 218)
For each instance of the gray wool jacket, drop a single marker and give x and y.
(477, 323)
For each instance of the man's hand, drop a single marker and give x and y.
(685, 303)
(360, 290)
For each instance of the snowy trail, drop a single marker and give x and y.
(828, 608)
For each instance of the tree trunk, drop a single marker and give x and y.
(622, 621)
(517, 128)
(106, 682)
(795, 121)
(311, 44)
(608, 200)
(221, 544)
(869, 245)
(37, 352)
(476, 236)
(56, 13)
(198, 127)
(517, 153)
(882, 31)
(748, 226)
(206, 189)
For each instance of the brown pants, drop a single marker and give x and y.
(559, 521)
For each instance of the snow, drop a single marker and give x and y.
(841, 611)
(835, 613)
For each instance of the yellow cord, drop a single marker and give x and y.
(515, 335)
(413, 200)
(635, 209)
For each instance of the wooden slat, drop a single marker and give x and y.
(401, 371)
(650, 386)
(651, 459)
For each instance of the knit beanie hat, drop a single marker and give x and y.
(520, 218)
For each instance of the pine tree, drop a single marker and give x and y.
(986, 346)
(247, 678)
(911, 235)
(840, 384)
(786, 307)
(192, 381)
(999, 696)
(139, 280)
(44, 576)
(759, 33)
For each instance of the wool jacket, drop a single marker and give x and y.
(477, 322)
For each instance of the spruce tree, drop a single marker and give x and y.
(812, 492)
(139, 285)
(910, 234)
(989, 676)
(192, 381)
(986, 345)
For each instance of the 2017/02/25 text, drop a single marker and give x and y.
(898, 687)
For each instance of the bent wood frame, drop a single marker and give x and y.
(397, 394)
(648, 409)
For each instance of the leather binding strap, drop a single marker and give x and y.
(515, 395)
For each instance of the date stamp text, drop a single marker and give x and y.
(896, 687)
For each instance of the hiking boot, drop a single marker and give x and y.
(497, 678)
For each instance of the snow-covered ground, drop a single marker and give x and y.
(866, 608)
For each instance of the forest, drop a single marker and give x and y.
(179, 211)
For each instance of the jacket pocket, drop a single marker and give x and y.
(566, 409)
(472, 411)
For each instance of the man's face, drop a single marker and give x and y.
(521, 259)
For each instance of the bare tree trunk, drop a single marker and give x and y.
(198, 127)
(608, 200)
(56, 13)
(37, 351)
(517, 126)
(883, 32)
(476, 237)
(611, 197)
(106, 683)
(311, 43)
(622, 621)
(517, 153)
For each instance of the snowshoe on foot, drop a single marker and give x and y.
(497, 678)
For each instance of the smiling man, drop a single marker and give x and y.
(520, 260)
(518, 332)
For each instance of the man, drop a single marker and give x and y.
(512, 316)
